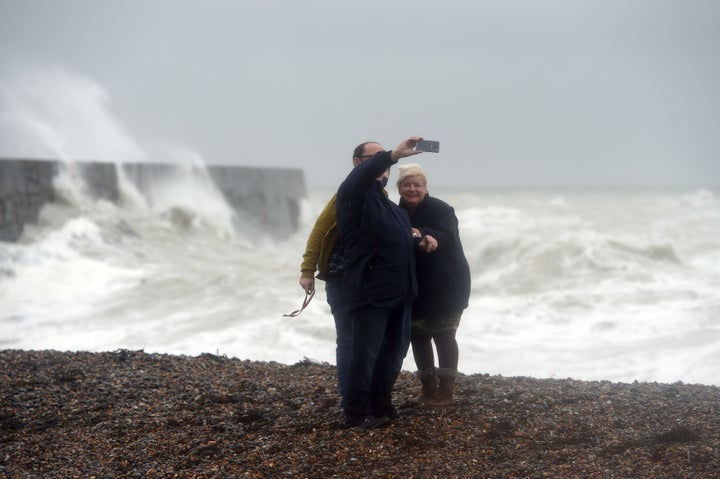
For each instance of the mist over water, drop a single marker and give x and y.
(54, 113)
(617, 286)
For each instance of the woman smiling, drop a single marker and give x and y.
(443, 277)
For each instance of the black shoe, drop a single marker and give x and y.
(392, 413)
(372, 422)
(353, 423)
(387, 410)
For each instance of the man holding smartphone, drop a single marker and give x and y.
(324, 253)
(379, 281)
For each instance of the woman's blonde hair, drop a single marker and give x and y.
(410, 169)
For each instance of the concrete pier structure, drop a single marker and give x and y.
(269, 197)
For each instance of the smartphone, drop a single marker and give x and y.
(428, 145)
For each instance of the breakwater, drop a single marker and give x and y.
(268, 197)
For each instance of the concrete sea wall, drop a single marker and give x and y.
(267, 197)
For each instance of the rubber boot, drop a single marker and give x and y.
(446, 390)
(428, 381)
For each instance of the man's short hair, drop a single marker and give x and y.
(359, 150)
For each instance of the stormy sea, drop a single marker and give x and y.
(615, 285)
(601, 285)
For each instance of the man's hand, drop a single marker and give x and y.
(406, 148)
(307, 284)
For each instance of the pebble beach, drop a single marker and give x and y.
(128, 414)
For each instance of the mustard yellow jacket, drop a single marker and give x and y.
(320, 243)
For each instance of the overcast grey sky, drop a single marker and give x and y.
(565, 93)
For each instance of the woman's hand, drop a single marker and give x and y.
(428, 244)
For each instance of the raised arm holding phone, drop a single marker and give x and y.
(379, 278)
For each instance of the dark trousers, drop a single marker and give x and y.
(380, 339)
(337, 299)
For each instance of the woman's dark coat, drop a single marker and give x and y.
(444, 275)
